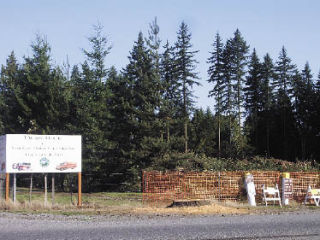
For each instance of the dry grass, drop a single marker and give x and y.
(213, 208)
(129, 204)
(121, 209)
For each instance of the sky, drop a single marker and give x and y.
(265, 25)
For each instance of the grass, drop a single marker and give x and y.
(65, 203)
(115, 203)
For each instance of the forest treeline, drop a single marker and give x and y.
(144, 116)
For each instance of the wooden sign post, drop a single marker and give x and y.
(7, 186)
(14, 188)
(79, 190)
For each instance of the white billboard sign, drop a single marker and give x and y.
(22, 153)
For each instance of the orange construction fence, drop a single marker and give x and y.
(227, 185)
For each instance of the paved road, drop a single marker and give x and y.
(284, 226)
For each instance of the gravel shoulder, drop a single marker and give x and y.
(285, 225)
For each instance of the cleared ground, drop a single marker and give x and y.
(109, 203)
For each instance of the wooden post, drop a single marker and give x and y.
(1, 186)
(79, 190)
(52, 188)
(30, 190)
(14, 188)
(7, 186)
(71, 189)
(45, 189)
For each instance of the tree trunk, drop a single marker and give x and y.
(168, 130)
(268, 138)
(219, 136)
(186, 136)
(303, 148)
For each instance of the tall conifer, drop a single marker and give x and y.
(216, 77)
(186, 75)
(252, 93)
(283, 84)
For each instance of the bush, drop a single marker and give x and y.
(194, 162)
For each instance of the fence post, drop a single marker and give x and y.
(30, 190)
(52, 188)
(7, 186)
(45, 189)
(79, 189)
(143, 186)
(14, 188)
(219, 187)
(1, 186)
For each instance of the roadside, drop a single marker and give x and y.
(288, 225)
(127, 204)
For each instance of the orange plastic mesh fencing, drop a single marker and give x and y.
(301, 181)
(228, 185)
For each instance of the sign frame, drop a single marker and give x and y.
(30, 153)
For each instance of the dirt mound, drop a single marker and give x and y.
(189, 203)
(212, 208)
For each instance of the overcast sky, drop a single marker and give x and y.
(266, 25)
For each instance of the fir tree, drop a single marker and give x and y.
(141, 87)
(153, 43)
(216, 77)
(186, 75)
(304, 95)
(11, 93)
(284, 72)
(170, 88)
(203, 133)
(252, 93)
(100, 48)
(283, 85)
(267, 98)
(45, 101)
(90, 109)
(238, 50)
(227, 93)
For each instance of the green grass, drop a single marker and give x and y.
(104, 203)
(102, 199)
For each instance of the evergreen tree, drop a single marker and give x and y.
(317, 84)
(141, 86)
(304, 95)
(315, 118)
(284, 72)
(2, 109)
(11, 95)
(267, 99)
(170, 89)
(227, 93)
(123, 129)
(283, 85)
(45, 100)
(203, 133)
(99, 50)
(90, 109)
(252, 93)
(153, 44)
(186, 75)
(238, 56)
(216, 77)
